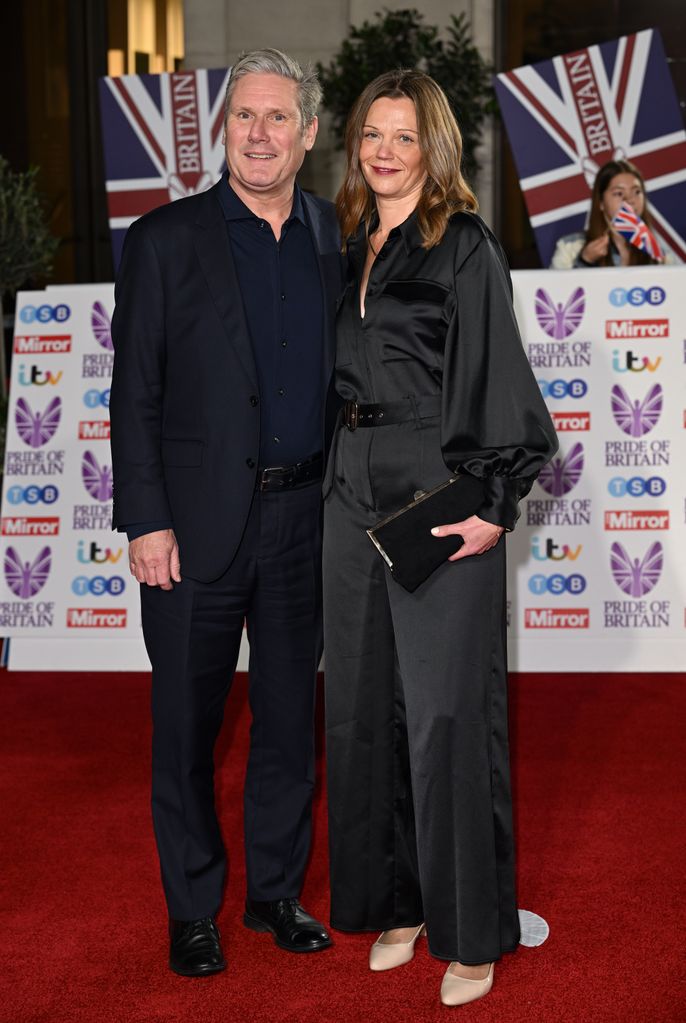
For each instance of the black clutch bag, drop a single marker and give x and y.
(404, 539)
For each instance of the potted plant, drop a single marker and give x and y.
(26, 253)
(400, 39)
(26, 246)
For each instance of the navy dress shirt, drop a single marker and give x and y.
(282, 298)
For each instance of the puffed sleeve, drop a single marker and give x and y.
(495, 424)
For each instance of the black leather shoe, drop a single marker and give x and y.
(293, 928)
(195, 949)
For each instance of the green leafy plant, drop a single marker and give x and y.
(400, 39)
(26, 251)
(26, 246)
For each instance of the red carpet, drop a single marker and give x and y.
(599, 780)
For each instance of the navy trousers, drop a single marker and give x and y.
(193, 635)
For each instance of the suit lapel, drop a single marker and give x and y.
(329, 260)
(217, 264)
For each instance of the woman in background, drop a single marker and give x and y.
(436, 383)
(616, 182)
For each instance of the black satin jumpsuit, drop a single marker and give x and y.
(416, 704)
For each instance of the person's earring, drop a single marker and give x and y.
(224, 140)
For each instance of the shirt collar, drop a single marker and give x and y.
(234, 208)
(408, 231)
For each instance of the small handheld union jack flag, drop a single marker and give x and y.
(628, 223)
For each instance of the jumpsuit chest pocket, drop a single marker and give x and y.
(414, 312)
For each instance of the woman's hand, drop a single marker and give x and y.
(596, 250)
(479, 536)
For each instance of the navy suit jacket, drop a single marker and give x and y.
(184, 402)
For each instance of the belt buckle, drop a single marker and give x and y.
(351, 415)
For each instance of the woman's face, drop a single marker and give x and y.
(390, 158)
(622, 188)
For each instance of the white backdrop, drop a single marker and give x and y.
(596, 565)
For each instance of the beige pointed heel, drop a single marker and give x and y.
(387, 957)
(460, 990)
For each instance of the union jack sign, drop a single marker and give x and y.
(162, 140)
(568, 116)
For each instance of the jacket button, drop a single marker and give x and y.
(250, 462)
(254, 400)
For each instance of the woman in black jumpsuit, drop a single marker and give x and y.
(417, 752)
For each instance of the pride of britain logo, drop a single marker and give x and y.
(636, 576)
(101, 326)
(560, 320)
(27, 578)
(37, 428)
(636, 416)
(563, 472)
(97, 479)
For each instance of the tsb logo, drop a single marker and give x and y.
(557, 583)
(44, 313)
(32, 494)
(637, 486)
(97, 399)
(98, 586)
(637, 296)
(563, 388)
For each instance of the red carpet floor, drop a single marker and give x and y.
(599, 782)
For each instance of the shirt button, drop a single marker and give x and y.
(250, 462)
(281, 391)
(254, 400)
(283, 296)
(262, 223)
(276, 440)
(284, 344)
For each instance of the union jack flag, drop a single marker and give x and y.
(628, 223)
(161, 139)
(568, 116)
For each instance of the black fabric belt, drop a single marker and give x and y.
(390, 412)
(284, 477)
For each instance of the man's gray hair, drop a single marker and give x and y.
(274, 62)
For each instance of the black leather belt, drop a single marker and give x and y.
(390, 412)
(284, 477)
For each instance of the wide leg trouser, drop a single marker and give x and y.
(417, 748)
(193, 636)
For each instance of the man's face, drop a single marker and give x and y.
(265, 143)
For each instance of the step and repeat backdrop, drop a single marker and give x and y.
(597, 564)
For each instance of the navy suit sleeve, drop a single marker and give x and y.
(136, 396)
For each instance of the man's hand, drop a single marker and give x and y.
(154, 559)
(479, 536)
(597, 249)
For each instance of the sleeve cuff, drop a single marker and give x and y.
(136, 529)
(502, 495)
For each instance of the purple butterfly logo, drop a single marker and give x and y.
(563, 473)
(637, 577)
(559, 321)
(26, 578)
(636, 417)
(97, 479)
(102, 326)
(37, 428)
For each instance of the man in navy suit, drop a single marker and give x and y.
(223, 335)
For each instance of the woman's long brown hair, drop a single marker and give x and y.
(597, 221)
(445, 191)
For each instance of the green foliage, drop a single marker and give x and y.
(400, 39)
(26, 245)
